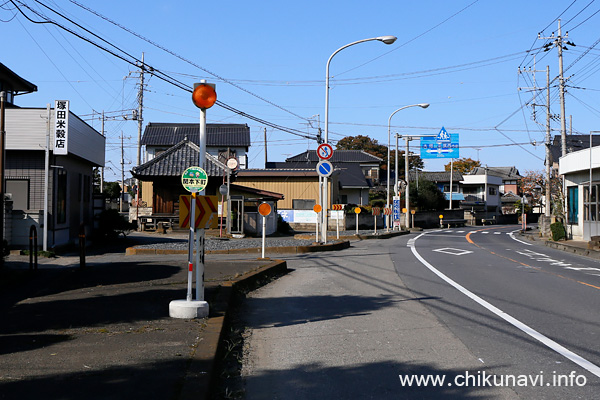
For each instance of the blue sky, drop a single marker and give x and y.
(268, 60)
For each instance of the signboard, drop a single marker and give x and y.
(337, 215)
(387, 211)
(444, 145)
(375, 210)
(61, 127)
(317, 208)
(232, 163)
(337, 207)
(325, 151)
(206, 211)
(324, 168)
(194, 179)
(264, 209)
(305, 216)
(396, 207)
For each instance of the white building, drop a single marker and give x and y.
(581, 170)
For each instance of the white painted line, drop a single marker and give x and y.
(577, 359)
(511, 234)
(454, 252)
(485, 232)
(497, 233)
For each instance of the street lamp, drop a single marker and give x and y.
(422, 105)
(384, 39)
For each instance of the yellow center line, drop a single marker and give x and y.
(468, 237)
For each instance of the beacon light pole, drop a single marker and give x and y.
(384, 39)
(204, 96)
(422, 105)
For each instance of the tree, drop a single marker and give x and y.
(533, 185)
(463, 165)
(427, 197)
(363, 143)
(112, 190)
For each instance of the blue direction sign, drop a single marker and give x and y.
(324, 168)
(396, 208)
(444, 145)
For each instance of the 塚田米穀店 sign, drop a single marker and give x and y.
(61, 127)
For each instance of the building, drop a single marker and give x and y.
(581, 171)
(72, 149)
(223, 141)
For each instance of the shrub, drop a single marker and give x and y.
(558, 231)
(111, 224)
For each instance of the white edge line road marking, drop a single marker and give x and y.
(577, 359)
(514, 238)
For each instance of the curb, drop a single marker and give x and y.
(385, 235)
(252, 250)
(200, 376)
(595, 254)
(573, 249)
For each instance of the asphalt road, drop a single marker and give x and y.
(522, 309)
(493, 315)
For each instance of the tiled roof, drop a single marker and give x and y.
(169, 134)
(355, 156)
(13, 82)
(351, 176)
(502, 172)
(176, 160)
(574, 143)
(439, 176)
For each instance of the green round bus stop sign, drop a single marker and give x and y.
(194, 179)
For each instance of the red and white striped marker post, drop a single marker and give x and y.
(191, 246)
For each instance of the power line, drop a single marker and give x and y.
(184, 59)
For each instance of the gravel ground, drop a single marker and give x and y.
(223, 244)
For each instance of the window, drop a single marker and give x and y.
(344, 199)
(19, 189)
(301, 204)
(573, 204)
(590, 203)
(447, 188)
(493, 191)
(61, 196)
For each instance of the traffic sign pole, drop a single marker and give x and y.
(191, 247)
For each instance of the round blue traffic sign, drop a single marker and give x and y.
(324, 168)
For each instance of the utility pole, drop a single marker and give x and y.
(102, 173)
(122, 175)
(548, 138)
(558, 42)
(139, 112)
(266, 158)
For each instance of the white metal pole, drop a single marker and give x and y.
(384, 39)
(264, 228)
(407, 194)
(337, 224)
(451, 172)
(191, 247)
(46, 181)
(200, 232)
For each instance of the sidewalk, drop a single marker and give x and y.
(104, 332)
(579, 247)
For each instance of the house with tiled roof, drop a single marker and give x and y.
(223, 141)
(160, 179)
(369, 164)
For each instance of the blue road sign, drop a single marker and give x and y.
(444, 145)
(324, 168)
(396, 208)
